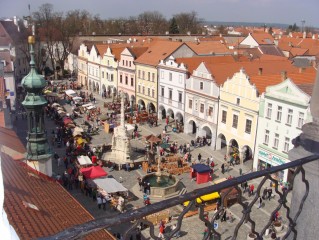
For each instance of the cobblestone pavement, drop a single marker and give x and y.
(192, 228)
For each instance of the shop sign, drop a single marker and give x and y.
(270, 158)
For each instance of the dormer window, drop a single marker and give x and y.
(201, 85)
(238, 101)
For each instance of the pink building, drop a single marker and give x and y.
(126, 71)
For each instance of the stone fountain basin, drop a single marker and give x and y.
(162, 191)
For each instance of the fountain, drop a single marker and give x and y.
(162, 185)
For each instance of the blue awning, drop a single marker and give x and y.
(201, 168)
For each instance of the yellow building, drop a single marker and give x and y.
(146, 70)
(238, 116)
(83, 55)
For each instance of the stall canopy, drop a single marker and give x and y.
(84, 160)
(201, 168)
(70, 93)
(93, 172)
(109, 185)
(77, 131)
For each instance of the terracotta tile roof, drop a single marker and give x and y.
(101, 48)
(157, 51)
(208, 47)
(58, 210)
(137, 51)
(5, 56)
(263, 38)
(211, 38)
(223, 71)
(270, 50)
(2, 121)
(294, 51)
(306, 88)
(10, 139)
(193, 62)
(8, 32)
(263, 81)
(266, 57)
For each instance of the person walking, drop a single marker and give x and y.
(99, 201)
(224, 216)
(161, 230)
(251, 189)
(223, 168)
(265, 193)
(199, 157)
(269, 193)
(260, 202)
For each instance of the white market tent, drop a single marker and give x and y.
(87, 105)
(84, 160)
(77, 99)
(129, 127)
(91, 107)
(70, 93)
(109, 185)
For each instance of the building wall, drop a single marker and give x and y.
(201, 104)
(146, 78)
(94, 71)
(83, 65)
(249, 41)
(171, 76)
(288, 96)
(238, 88)
(109, 69)
(126, 69)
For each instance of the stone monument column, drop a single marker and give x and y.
(305, 145)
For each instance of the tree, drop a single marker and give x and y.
(173, 28)
(293, 28)
(151, 23)
(188, 22)
(222, 29)
(270, 31)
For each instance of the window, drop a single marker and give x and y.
(126, 80)
(111, 77)
(108, 62)
(120, 78)
(190, 103)
(276, 141)
(170, 76)
(130, 63)
(269, 110)
(148, 92)
(238, 101)
(248, 126)
(139, 73)
(170, 94)
(201, 107)
(162, 74)
(132, 82)
(266, 138)
(180, 79)
(201, 85)
(143, 90)
(149, 76)
(153, 77)
(210, 111)
(180, 97)
(153, 93)
(279, 113)
(102, 74)
(143, 75)
(289, 117)
(300, 119)
(224, 116)
(235, 121)
(123, 62)
(162, 91)
(196, 108)
(126, 63)
(286, 146)
(139, 88)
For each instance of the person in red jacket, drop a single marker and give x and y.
(251, 189)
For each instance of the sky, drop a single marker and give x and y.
(261, 11)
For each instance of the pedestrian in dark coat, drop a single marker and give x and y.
(223, 168)
(269, 193)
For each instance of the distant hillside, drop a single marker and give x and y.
(246, 24)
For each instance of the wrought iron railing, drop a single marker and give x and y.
(137, 216)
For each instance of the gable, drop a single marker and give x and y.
(126, 52)
(183, 51)
(249, 41)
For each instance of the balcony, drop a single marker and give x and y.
(246, 223)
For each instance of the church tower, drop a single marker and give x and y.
(38, 151)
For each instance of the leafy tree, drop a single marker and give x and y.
(293, 28)
(173, 28)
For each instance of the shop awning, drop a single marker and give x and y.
(93, 172)
(201, 168)
(77, 131)
(67, 120)
(80, 141)
(109, 185)
(84, 160)
(70, 93)
(205, 198)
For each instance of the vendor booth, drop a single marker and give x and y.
(84, 160)
(93, 172)
(110, 185)
(70, 93)
(201, 172)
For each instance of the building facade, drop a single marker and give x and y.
(83, 56)
(238, 117)
(94, 70)
(201, 104)
(171, 89)
(284, 108)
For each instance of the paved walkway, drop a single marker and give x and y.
(191, 228)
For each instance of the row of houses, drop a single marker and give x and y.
(252, 109)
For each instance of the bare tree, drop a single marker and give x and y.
(152, 23)
(188, 22)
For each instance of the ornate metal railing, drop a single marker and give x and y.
(137, 216)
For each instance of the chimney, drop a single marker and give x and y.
(283, 75)
(260, 71)
(301, 70)
(304, 35)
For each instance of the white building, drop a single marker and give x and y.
(201, 107)
(94, 69)
(284, 108)
(171, 89)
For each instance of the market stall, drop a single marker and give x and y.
(70, 93)
(84, 160)
(201, 172)
(110, 185)
(93, 172)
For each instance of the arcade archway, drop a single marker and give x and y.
(192, 127)
(207, 132)
(179, 117)
(141, 105)
(247, 153)
(151, 108)
(221, 143)
(170, 113)
(161, 112)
